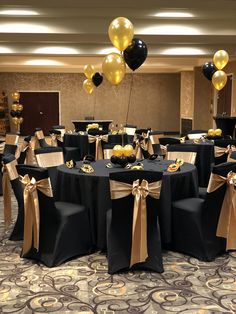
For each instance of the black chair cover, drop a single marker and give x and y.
(195, 222)
(64, 227)
(119, 227)
(169, 140)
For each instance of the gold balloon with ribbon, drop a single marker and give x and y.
(113, 67)
(219, 79)
(88, 86)
(89, 71)
(121, 32)
(220, 59)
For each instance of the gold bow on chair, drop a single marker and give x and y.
(220, 151)
(31, 210)
(98, 139)
(227, 221)
(142, 144)
(9, 174)
(139, 251)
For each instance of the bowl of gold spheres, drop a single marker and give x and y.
(213, 134)
(123, 155)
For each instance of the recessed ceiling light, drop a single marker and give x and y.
(173, 14)
(42, 62)
(5, 50)
(18, 12)
(169, 30)
(108, 50)
(56, 50)
(178, 51)
(23, 28)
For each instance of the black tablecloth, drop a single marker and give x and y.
(204, 159)
(92, 190)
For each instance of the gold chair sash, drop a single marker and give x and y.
(186, 156)
(139, 251)
(155, 138)
(227, 221)
(107, 153)
(220, 151)
(31, 210)
(164, 149)
(30, 158)
(98, 140)
(51, 159)
(39, 135)
(54, 138)
(2, 146)
(12, 139)
(144, 144)
(9, 174)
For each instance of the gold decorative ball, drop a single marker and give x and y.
(211, 132)
(20, 120)
(15, 96)
(128, 150)
(218, 132)
(19, 107)
(117, 150)
(14, 107)
(15, 120)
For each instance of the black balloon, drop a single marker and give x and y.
(135, 54)
(13, 113)
(97, 79)
(208, 69)
(18, 113)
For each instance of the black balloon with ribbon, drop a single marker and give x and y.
(135, 54)
(97, 79)
(13, 113)
(208, 69)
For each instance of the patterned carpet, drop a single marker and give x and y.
(83, 285)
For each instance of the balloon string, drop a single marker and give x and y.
(130, 91)
(94, 104)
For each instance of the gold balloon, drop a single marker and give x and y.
(14, 107)
(121, 32)
(219, 79)
(89, 71)
(20, 120)
(220, 59)
(113, 67)
(218, 132)
(19, 107)
(117, 150)
(211, 132)
(15, 120)
(15, 96)
(88, 86)
(2, 109)
(128, 150)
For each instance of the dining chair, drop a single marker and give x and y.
(133, 233)
(195, 220)
(50, 158)
(62, 230)
(130, 129)
(222, 149)
(10, 176)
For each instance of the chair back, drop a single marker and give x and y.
(232, 157)
(49, 157)
(60, 128)
(130, 129)
(189, 157)
(168, 140)
(12, 139)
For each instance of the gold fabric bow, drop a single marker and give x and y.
(31, 210)
(227, 221)
(98, 139)
(163, 149)
(139, 251)
(143, 144)
(9, 174)
(220, 151)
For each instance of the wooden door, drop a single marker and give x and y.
(224, 98)
(40, 110)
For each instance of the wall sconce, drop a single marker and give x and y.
(16, 111)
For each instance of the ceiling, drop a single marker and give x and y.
(65, 35)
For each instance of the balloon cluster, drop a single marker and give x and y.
(123, 155)
(93, 79)
(133, 51)
(16, 109)
(213, 70)
(216, 132)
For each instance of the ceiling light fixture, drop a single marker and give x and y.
(56, 50)
(5, 50)
(23, 28)
(18, 12)
(181, 51)
(173, 14)
(169, 30)
(42, 62)
(106, 51)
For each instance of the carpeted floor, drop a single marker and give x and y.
(83, 285)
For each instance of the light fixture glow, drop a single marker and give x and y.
(173, 14)
(42, 62)
(56, 50)
(23, 28)
(178, 51)
(170, 30)
(105, 51)
(5, 50)
(18, 12)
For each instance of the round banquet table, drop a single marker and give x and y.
(92, 190)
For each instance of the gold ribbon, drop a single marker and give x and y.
(220, 151)
(54, 138)
(142, 144)
(155, 138)
(98, 140)
(39, 135)
(31, 210)
(107, 153)
(139, 251)
(52, 159)
(2, 146)
(12, 139)
(9, 174)
(163, 149)
(227, 221)
(186, 156)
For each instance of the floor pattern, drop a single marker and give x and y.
(83, 285)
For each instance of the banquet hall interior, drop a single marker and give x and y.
(118, 156)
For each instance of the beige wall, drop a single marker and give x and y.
(187, 95)
(231, 69)
(153, 99)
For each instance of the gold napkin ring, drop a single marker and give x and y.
(86, 168)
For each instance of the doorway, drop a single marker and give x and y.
(224, 98)
(40, 110)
